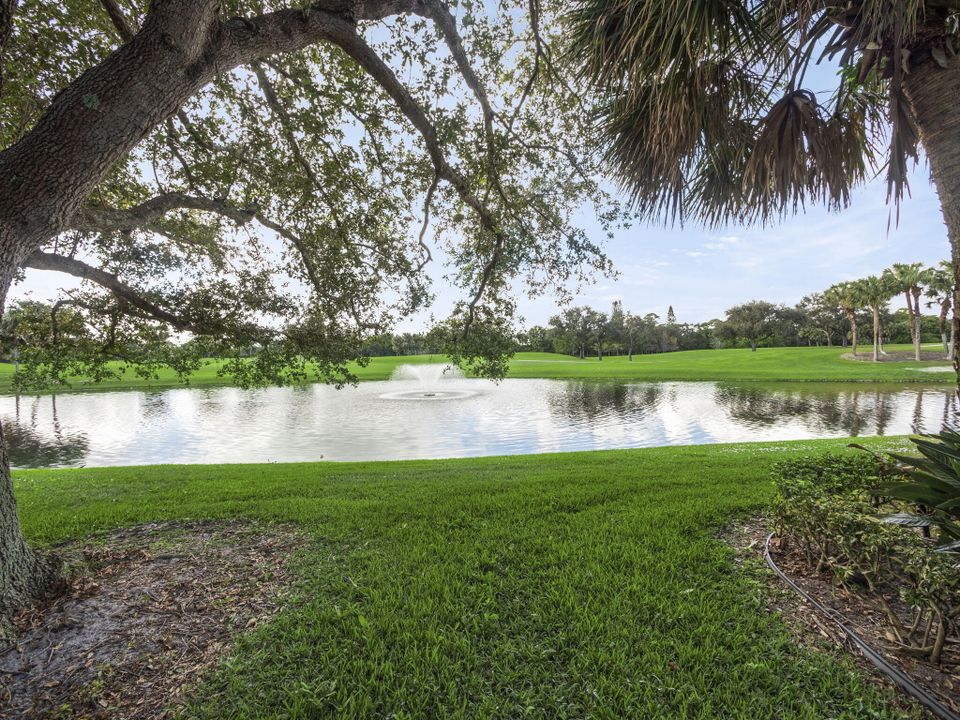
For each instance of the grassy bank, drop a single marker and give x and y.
(738, 365)
(556, 586)
(742, 365)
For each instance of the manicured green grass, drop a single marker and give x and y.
(739, 365)
(766, 364)
(582, 585)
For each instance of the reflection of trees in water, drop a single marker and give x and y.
(155, 405)
(30, 445)
(852, 412)
(586, 401)
(951, 410)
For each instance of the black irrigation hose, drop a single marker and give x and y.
(892, 672)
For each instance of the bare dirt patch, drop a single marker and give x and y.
(813, 629)
(147, 612)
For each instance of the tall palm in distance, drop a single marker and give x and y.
(874, 292)
(707, 115)
(847, 297)
(910, 279)
(940, 289)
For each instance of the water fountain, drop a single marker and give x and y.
(430, 382)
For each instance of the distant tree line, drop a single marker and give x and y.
(842, 315)
(836, 316)
(583, 331)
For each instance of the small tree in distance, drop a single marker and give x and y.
(752, 321)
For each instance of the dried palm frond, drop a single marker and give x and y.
(706, 114)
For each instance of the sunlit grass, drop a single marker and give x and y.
(582, 585)
(740, 365)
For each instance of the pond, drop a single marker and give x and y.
(428, 415)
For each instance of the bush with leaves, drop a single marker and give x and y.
(828, 508)
(930, 485)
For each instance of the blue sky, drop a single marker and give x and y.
(702, 272)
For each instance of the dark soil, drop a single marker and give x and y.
(147, 612)
(812, 628)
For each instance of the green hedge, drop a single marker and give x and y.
(824, 508)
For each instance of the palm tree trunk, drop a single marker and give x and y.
(944, 311)
(852, 316)
(953, 340)
(932, 92)
(876, 333)
(917, 324)
(911, 315)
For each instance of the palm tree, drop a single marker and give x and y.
(706, 114)
(847, 297)
(910, 279)
(874, 291)
(940, 288)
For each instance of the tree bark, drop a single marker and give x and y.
(876, 333)
(932, 91)
(911, 316)
(852, 317)
(7, 10)
(944, 314)
(917, 317)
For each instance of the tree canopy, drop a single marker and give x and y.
(294, 201)
(231, 176)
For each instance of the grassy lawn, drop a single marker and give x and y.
(581, 585)
(741, 365)
(766, 364)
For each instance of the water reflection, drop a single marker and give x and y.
(35, 442)
(382, 421)
(855, 410)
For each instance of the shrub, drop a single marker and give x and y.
(827, 507)
(930, 484)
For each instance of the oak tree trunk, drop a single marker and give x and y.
(932, 91)
(93, 124)
(26, 575)
(48, 175)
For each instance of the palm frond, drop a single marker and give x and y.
(706, 114)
